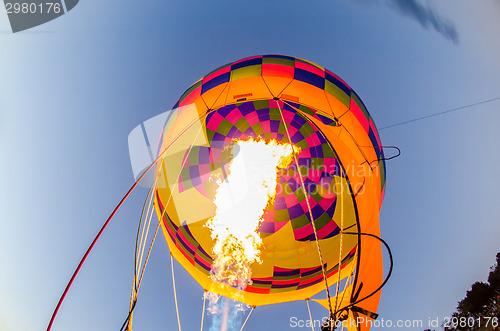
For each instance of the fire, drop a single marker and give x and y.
(248, 189)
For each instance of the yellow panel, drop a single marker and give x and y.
(178, 144)
(164, 194)
(337, 107)
(204, 208)
(184, 121)
(280, 246)
(202, 234)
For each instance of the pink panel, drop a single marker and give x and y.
(326, 230)
(304, 231)
(217, 73)
(310, 68)
(360, 116)
(277, 70)
(215, 121)
(234, 116)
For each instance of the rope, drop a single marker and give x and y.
(133, 292)
(175, 293)
(136, 284)
(145, 229)
(129, 318)
(310, 316)
(340, 250)
(250, 313)
(440, 113)
(386, 278)
(203, 310)
(164, 210)
(147, 259)
(77, 270)
(309, 208)
(149, 216)
(347, 282)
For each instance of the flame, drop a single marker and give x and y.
(248, 189)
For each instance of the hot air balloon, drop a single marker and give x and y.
(312, 222)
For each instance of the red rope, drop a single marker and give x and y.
(107, 222)
(95, 240)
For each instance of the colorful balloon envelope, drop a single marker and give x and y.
(330, 190)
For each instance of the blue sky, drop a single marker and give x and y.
(71, 91)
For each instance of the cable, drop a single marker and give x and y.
(133, 295)
(175, 292)
(77, 270)
(126, 323)
(148, 217)
(203, 310)
(310, 316)
(61, 299)
(384, 158)
(308, 207)
(440, 113)
(340, 244)
(145, 231)
(250, 313)
(386, 278)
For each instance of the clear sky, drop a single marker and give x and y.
(71, 91)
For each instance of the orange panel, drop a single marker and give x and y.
(252, 88)
(337, 107)
(308, 95)
(276, 84)
(213, 95)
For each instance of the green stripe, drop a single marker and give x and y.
(277, 60)
(257, 128)
(281, 215)
(322, 221)
(306, 110)
(311, 276)
(200, 268)
(224, 127)
(337, 93)
(267, 286)
(280, 290)
(246, 72)
(296, 277)
(189, 237)
(261, 104)
(300, 222)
